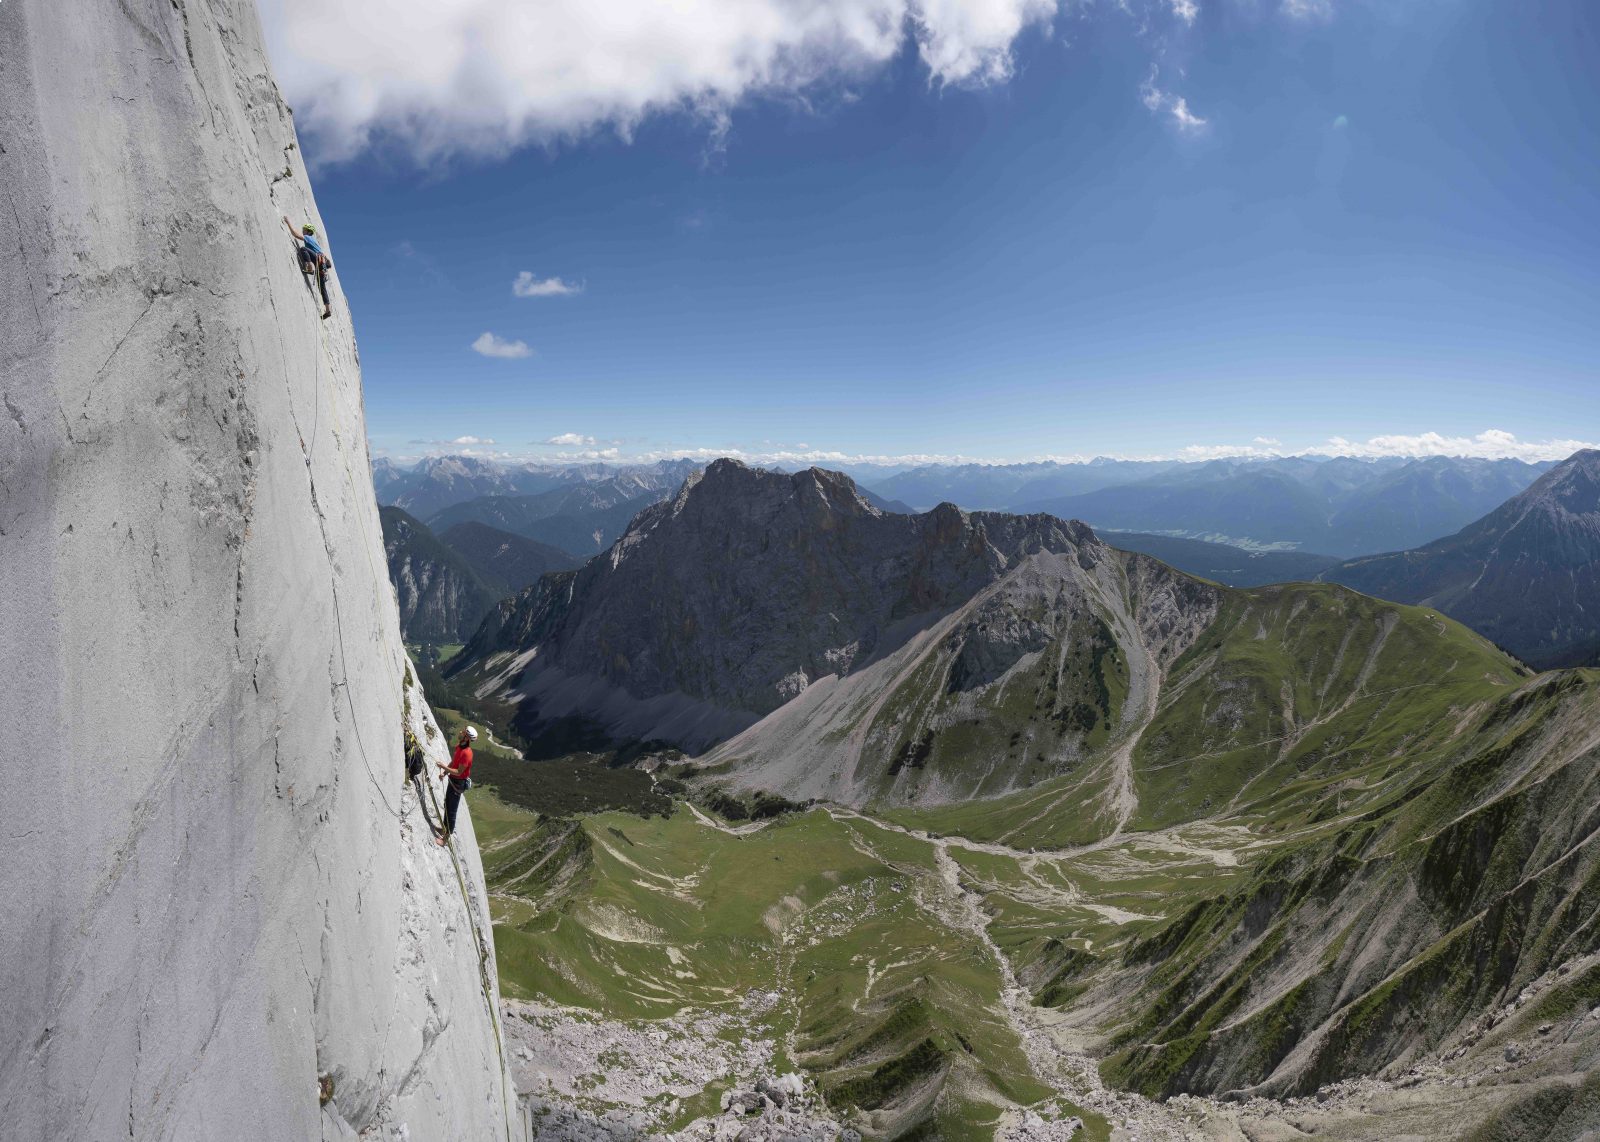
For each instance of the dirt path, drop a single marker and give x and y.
(731, 830)
(1052, 1055)
(1164, 840)
(1053, 1058)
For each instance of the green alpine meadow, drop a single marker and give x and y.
(1087, 840)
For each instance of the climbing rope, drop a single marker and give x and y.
(434, 827)
(434, 819)
(477, 939)
(419, 780)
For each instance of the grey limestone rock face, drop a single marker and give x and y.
(219, 915)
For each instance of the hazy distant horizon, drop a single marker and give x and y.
(1488, 445)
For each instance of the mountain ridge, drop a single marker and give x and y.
(943, 554)
(1527, 574)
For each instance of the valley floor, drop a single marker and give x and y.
(657, 969)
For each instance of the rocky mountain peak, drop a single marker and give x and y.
(1573, 486)
(1525, 575)
(750, 584)
(728, 480)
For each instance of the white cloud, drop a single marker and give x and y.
(526, 285)
(1164, 102)
(1308, 9)
(1492, 444)
(463, 442)
(1186, 10)
(480, 77)
(491, 346)
(590, 455)
(1197, 452)
(1185, 118)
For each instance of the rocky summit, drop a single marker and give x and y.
(750, 590)
(1527, 575)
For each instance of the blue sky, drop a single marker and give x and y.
(1363, 220)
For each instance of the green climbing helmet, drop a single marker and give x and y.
(308, 229)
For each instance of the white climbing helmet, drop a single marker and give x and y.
(472, 734)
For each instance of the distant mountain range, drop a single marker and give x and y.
(446, 584)
(998, 487)
(426, 488)
(1341, 506)
(582, 519)
(578, 508)
(1237, 522)
(1338, 505)
(1527, 575)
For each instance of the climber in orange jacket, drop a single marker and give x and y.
(459, 772)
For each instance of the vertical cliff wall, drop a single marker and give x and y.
(217, 908)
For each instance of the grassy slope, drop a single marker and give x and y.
(1368, 939)
(1297, 695)
(1307, 699)
(1318, 763)
(882, 997)
(1051, 713)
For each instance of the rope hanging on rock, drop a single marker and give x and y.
(417, 782)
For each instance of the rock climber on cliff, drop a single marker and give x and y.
(459, 772)
(313, 259)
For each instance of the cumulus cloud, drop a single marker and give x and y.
(570, 440)
(489, 345)
(1165, 103)
(480, 77)
(1186, 10)
(1493, 444)
(526, 285)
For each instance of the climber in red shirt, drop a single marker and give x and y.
(459, 772)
